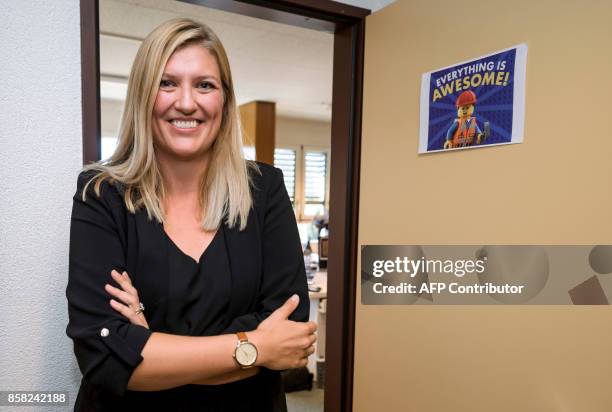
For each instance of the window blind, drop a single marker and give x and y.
(285, 160)
(315, 170)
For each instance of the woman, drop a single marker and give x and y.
(177, 226)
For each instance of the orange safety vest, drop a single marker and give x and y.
(464, 135)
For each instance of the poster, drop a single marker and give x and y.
(476, 103)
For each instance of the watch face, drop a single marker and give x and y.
(246, 354)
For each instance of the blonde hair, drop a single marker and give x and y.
(226, 186)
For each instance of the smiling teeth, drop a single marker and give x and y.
(185, 124)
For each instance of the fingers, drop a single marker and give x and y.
(307, 341)
(311, 326)
(309, 351)
(288, 307)
(136, 319)
(124, 281)
(129, 294)
(312, 339)
(303, 357)
(124, 297)
(127, 298)
(123, 309)
(303, 360)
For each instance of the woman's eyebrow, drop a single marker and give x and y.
(203, 77)
(208, 77)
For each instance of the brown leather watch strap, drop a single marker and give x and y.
(242, 337)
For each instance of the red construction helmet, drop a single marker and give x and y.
(465, 98)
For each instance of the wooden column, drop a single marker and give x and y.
(259, 127)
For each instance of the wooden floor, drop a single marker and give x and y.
(305, 401)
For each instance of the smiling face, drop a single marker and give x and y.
(188, 108)
(465, 111)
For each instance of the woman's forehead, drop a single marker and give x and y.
(193, 60)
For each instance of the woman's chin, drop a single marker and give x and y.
(186, 153)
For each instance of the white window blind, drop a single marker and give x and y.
(315, 170)
(285, 160)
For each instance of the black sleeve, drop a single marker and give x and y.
(107, 346)
(283, 261)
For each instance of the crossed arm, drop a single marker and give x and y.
(160, 346)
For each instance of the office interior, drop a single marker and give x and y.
(554, 188)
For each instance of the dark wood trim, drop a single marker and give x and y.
(348, 24)
(324, 9)
(90, 80)
(322, 15)
(344, 214)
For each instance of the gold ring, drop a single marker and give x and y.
(140, 308)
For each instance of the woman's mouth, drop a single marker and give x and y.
(185, 124)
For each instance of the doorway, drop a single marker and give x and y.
(347, 24)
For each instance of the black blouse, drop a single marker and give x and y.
(241, 277)
(199, 292)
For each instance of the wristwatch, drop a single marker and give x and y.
(245, 352)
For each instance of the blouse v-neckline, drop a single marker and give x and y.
(178, 249)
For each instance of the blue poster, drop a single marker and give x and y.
(476, 103)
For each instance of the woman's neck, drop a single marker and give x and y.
(182, 177)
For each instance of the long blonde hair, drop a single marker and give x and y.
(226, 186)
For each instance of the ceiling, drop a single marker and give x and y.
(373, 5)
(289, 65)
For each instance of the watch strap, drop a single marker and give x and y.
(242, 337)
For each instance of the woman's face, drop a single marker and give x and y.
(189, 104)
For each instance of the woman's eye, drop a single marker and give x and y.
(165, 83)
(206, 85)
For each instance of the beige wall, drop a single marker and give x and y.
(553, 189)
(293, 131)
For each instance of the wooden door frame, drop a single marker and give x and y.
(347, 23)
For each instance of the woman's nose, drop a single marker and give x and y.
(185, 102)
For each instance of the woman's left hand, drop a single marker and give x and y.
(128, 299)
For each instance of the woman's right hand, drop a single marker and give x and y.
(282, 343)
(127, 298)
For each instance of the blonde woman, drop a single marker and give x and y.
(187, 288)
